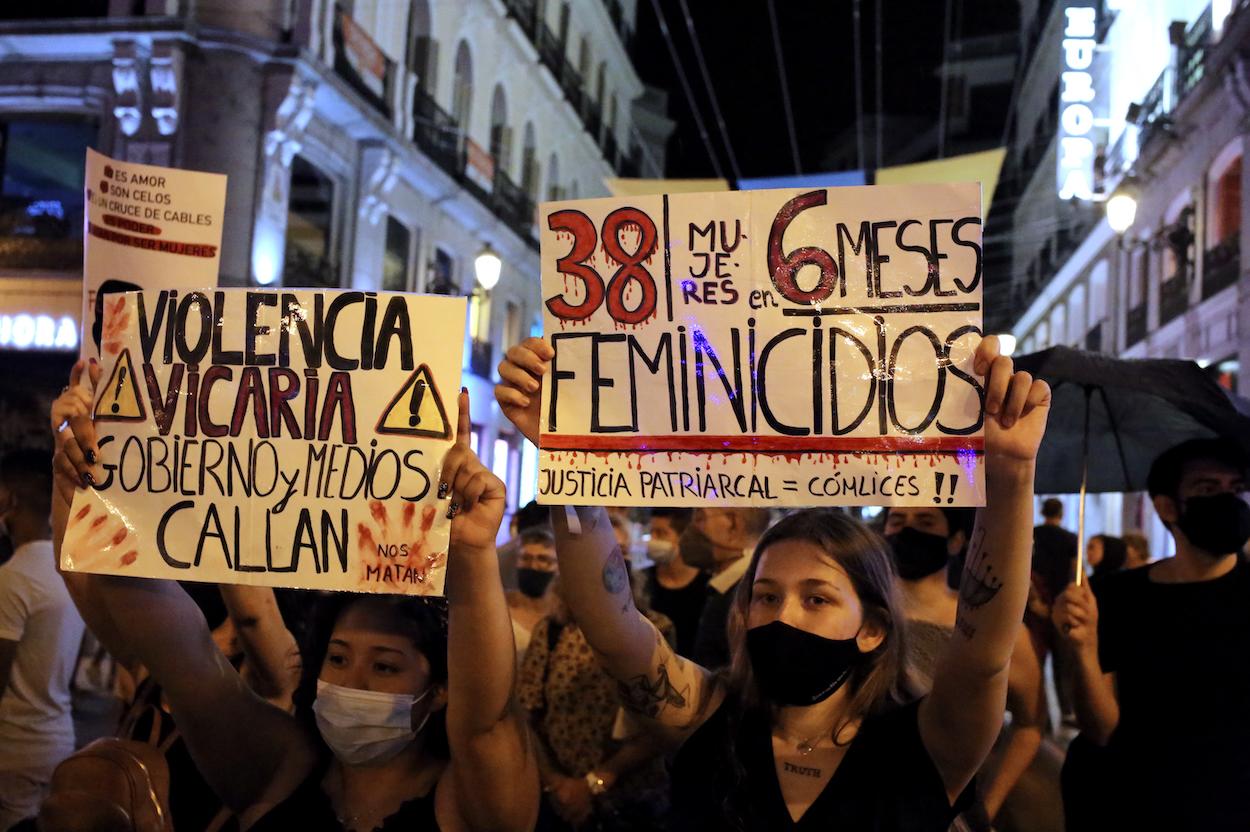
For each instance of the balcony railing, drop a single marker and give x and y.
(1173, 298)
(435, 131)
(361, 63)
(1221, 266)
(1191, 57)
(1135, 324)
(512, 205)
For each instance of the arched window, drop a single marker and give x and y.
(531, 176)
(422, 48)
(1224, 187)
(462, 88)
(500, 134)
(553, 178)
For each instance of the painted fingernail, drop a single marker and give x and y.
(453, 510)
(90, 457)
(88, 480)
(464, 389)
(443, 488)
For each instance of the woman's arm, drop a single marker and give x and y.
(246, 749)
(961, 717)
(655, 682)
(492, 759)
(1025, 704)
(273, 659)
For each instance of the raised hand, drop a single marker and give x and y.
(477, 496)
(519, 391)
(1016, 406)
(1076, 617)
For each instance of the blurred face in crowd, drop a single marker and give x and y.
(1093, 551)
(924, 519)
(798, 583)
(661, 528)
(538, 556)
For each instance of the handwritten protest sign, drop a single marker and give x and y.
(790, 347)
(147, 227)
(277, 437)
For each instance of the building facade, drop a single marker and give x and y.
(1169, 90)
(371, 144)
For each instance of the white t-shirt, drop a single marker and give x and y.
(36, 725)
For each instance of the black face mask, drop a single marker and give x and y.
(1218, 524)
(917, 554)
(533, 582)
(696, 548)
(795, 667)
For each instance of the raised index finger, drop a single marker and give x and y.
(464, 428)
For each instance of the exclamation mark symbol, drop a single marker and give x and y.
(121, 377)
(954, 482)
(937, 488)
(414, 403)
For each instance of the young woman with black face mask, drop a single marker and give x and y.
(410, 724)
(812, 722)
(922, 540)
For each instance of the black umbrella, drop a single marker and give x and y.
(1110, 417)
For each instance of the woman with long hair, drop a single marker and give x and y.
(813, 722)
(405, 703)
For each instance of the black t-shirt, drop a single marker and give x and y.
(309, 809)
(886, 781)
(1054, 557)
(682, 606)
(1181, 655)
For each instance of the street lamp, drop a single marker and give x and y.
(1122, 206)
(487, 266)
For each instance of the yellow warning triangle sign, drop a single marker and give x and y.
(417, 409)
(120, 400)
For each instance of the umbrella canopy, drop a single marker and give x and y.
(1137, 408)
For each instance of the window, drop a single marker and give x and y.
(553, 178)
(1139, 275)
(41, 200)
(397, 258)
(479, 315)
(462, 88)
(512, 322)
(309, 261)
(423, 49)
(442, 277)
(530, 173)
(500, 133)
(583, 59)
(1226, 204)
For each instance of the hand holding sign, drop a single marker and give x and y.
(477, 496)
(519, 391)
(1016, 406)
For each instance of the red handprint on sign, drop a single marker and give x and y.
(116, 322)
(397, 552)
(96, 540)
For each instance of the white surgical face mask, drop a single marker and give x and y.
(365, 727)
(661, 551)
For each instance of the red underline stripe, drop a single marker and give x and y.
(763, 444)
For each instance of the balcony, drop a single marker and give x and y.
(359, 61)
(437, 134)
(1135, 325)
(1173, 298)
(1192, 53)
(512, 205)
(481, 359)
(1152, 113)
(1221, 266)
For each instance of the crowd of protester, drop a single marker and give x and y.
(651, 668)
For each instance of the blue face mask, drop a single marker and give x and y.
(365, 727)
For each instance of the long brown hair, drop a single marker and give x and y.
(878, 683)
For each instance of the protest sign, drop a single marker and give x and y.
(147, 227)
(786, 347)
(277, 437)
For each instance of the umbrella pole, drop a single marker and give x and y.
(1079, 577)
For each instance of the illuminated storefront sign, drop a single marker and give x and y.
(1077, 100)
(38, 332)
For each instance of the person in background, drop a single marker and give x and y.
(922, 541)
(1138, 553)
(533, 599)
(1054, 566)
(1163, 685)
(594, 772)
(677, 589)
(720, 541)
(1105, 555)
(529, 516)
(40, 636)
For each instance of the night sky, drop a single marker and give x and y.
(816, 36)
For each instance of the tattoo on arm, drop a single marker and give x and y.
(649, 697)
(615, 573)
(978, 586)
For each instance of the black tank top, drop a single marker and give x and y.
(886, 781)
(308, 809)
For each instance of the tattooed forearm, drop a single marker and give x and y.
(649, 696)
(615, 572)
(978, 586)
